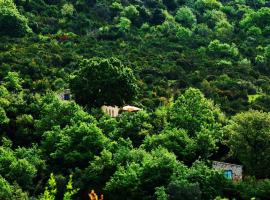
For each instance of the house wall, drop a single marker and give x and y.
(237, 170)
(62, 94)
(113, 111)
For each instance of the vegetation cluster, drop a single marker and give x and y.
(197, 68)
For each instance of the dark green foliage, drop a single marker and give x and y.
(250, 188)
(151, 54)
(183, 190)
(249, 141)
(103, 81)
(134, 126)
(11, 22)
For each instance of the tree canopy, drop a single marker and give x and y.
(197, 69)
(103, 81)
(12, 23)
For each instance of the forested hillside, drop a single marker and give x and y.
(198, 69)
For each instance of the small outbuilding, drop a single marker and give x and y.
(231, 171)
(114, 111)
(65, 95)
(130, 109)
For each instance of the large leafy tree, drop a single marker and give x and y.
(12, 23)
(73, 146)
(249, 140)
(200, 118)
(142, 174)
(20, 165)
(54, 112)
(193, 112)
(175, 140)
(185, 16)
(103, 81)
(134, 126)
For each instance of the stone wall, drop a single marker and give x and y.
(237, 170)
(113, 111)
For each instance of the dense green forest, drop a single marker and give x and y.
(198, 69)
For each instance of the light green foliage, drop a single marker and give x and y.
(134, 126)
(20, 165)
(147, 173)
(183, 34)
(5, 189)
(117, 6)
(218, 49)
(220, 198)
(173, 29)
(249, 141)
(252, 98)
(175, 140)
(108, 125)
(103, 166)
(256, 18)
(200, 118)
(11, 22)
(193, 112)
(223, 30)
(161, 193)
(165, 46)
(58, 113)
(67, 9)
(185, 16)
(130, 12)
(74, 145)
(213, 17)
(210, 181)
(3, 117)
(207, 4)
(70, 191)
(124, 24)
(8, 191)
(254, 31)
(263, 58)
(50, 190)
(13, 82)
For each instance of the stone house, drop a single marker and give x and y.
(65, 95)
(113, 111)
(231, 171)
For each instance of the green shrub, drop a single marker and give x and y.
(11, 22)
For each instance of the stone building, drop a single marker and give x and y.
(130, 109)
(65, 95)
(113, 111)
(231, 171)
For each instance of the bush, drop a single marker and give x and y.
(11, 22)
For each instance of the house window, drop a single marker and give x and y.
(228, 174)
(66, 96)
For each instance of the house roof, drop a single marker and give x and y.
(131, 108)
(218, 162)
